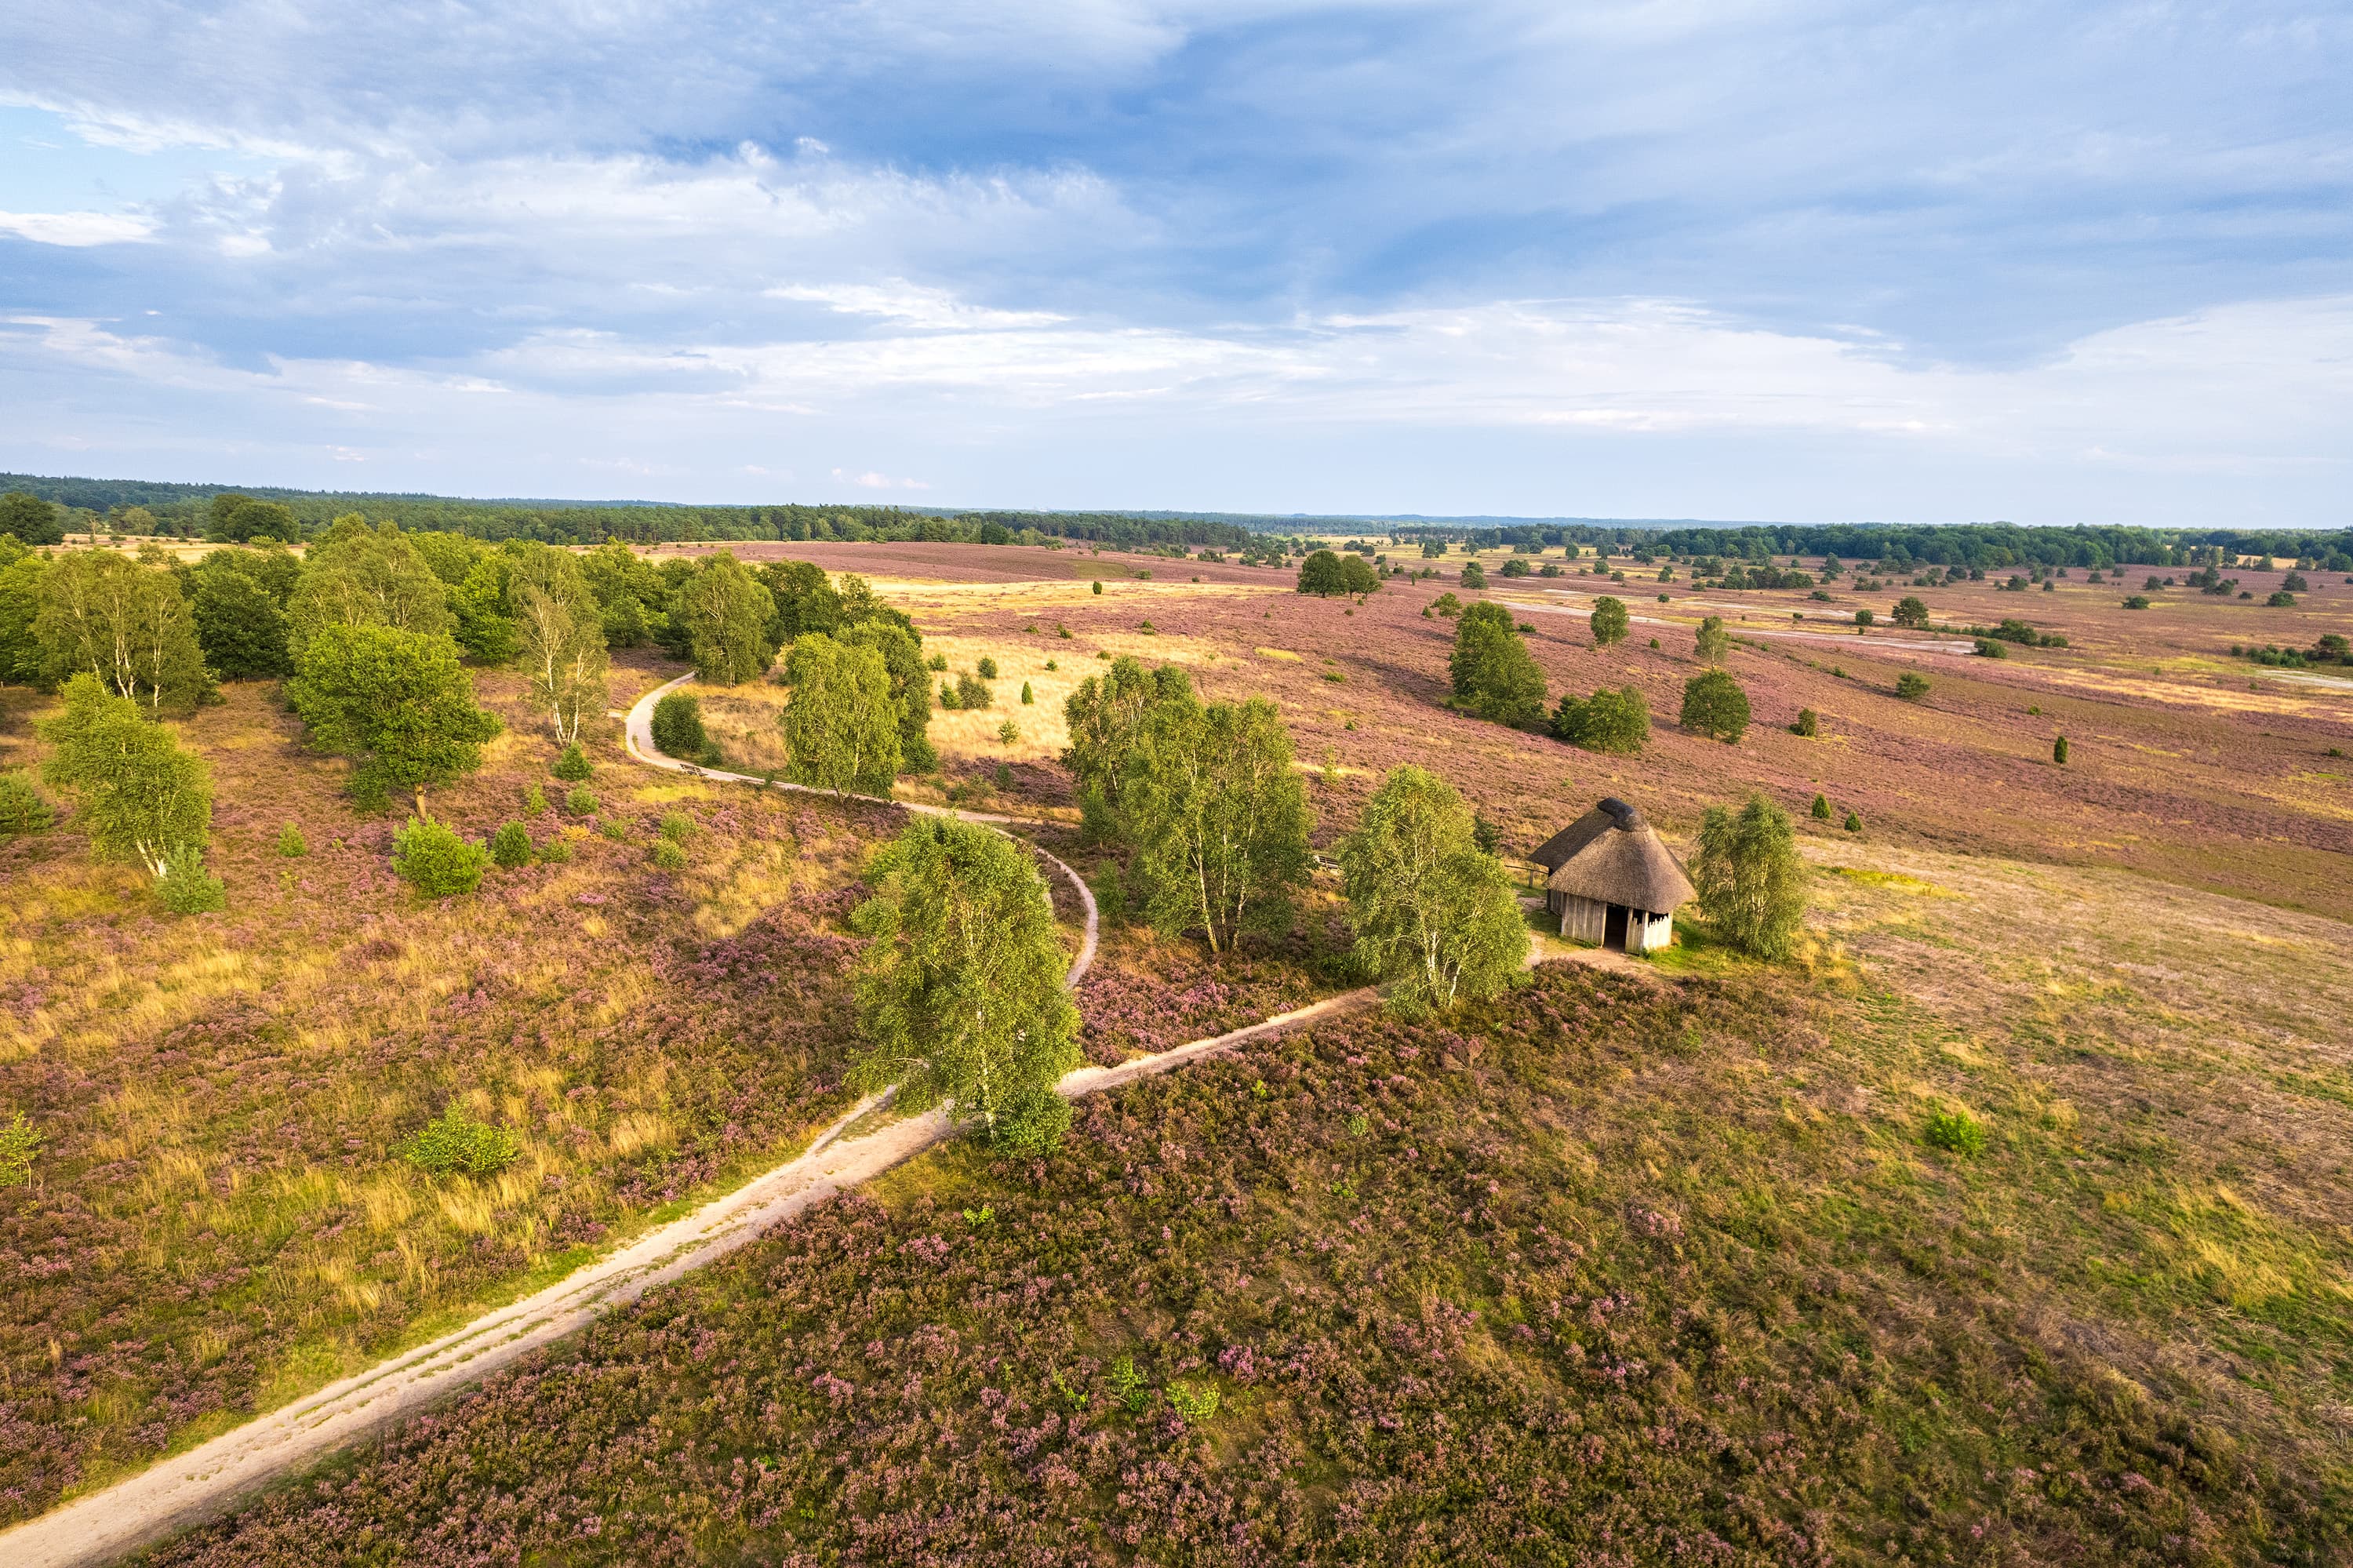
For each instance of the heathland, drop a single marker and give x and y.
(1679, 1257)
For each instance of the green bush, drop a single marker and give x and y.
(555, 851)
(1954, 1131)
(1027, 696)
(678, 727)
(670, 855)
(534, 802)
(971, 692)
(1821, 811)
(187, 888)
(510, 846)
(581, 802)
(1989, 648)
(2136, 601)
(1031, 1125)
(435, 861)
(1608, 721)
(677, 827)
(1008, 732)
(936, 661)
(614, 828)
(1808, 724)
(22, 810)
(1098, 585)
(1911, 686)
(573, 766)
(1196, 1405)
(2058, 751)
(987, 668)
(1714, 705)
(455, 1143)
(1853, 822)
(19, 1143)
(291, 842)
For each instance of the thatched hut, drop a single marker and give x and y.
(1612, 881)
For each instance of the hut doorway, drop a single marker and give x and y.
(1613, 928)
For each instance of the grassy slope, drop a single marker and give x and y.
(219, 1223)
(1626, 1271)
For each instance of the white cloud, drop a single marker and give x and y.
(77, 228)
(870, 480)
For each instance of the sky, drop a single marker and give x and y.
(1800, 260)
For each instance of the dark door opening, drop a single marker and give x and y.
(1613, 928)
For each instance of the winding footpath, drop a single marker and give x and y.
(211, 1479)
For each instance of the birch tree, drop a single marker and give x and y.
(1219, 818)
(143, 800)
(103, 614)
(960, 995)
(842, 724)
(1436, 920)
(560, 633)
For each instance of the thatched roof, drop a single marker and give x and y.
(1612, 856)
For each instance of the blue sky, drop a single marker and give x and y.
(1825, 259)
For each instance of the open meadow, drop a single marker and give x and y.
(1645, 1260)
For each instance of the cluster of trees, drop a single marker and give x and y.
(1494, 677)
(1902, 548)
(1328, 574)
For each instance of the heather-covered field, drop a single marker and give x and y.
(1627, 1270)
(1649, 1261)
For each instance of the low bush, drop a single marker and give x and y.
(986, 667)
(555, 851)
(614, 828)
(1008, 732)
(1988, 648)
(670, 855)
(573, 766)
(187, 888)
(22, 810)
(20, 1142)
(678, 727)
(436, 862)
(676, 826)
(1808, 724)
(971, 692)
(291, 843)
(1821, 808)
(1608, 721)
(455, 1143)
(2136, 601)
(510, 846)
(1954, 1131)
(581, 802)
(1911, 686)
(534, 802)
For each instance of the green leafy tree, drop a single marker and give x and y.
(22, 662)
(1105, 716)
(631, 596)
(1493, 675)
(559, 636)
(1609, 622)
(1808, 723)
(1435, 918)
(1219, 818)
(1474, 576)
(359, 576)
(127, 624)
(1712, 642)
(239, 623)
(806, 601)
(841, 725)
(722, 616)
(435, 861)
(1714, 705)
(485, 605)
(1322, 575)
(960, 995)
(1752, 885)
(234, 519)
(1911, 612)
(396, 703)
(143, 800)
(678, 725)
(31, 520)
(902, 652)
(1357, 578)
(22, 810)
(1821, 808)
(1609, 721)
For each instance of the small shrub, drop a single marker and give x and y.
(1853, 823)
(1194, 1406)
(187, 888)
(677, 827)
(573, 766)
(22, 810)
(1098, 588)
(1954, 1131)
(1064, 634)
(2281, 601)
(510, 846)
(555, 851)
(19, 1143)
(1911, 686)
(1031, 1125)
(1005, 776)
(1008, 732)
(947, 698)
(581, 802)
(1608, 721)
(2058, 751)
(534, 802)
(678, 725)
(1989, 648)
(1821, 808)
(436, 862)
(1053, 664)
(1864, 617)
(971, 692)
(455, 1143)
(2136, 601)
(291, 842)
(614, 828)
(1027, 696)
(670, 855)
(1808, 724)
(987, 668)
(938, 661)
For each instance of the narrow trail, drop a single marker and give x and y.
(211, 1479)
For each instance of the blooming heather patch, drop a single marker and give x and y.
(1539, 1289)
